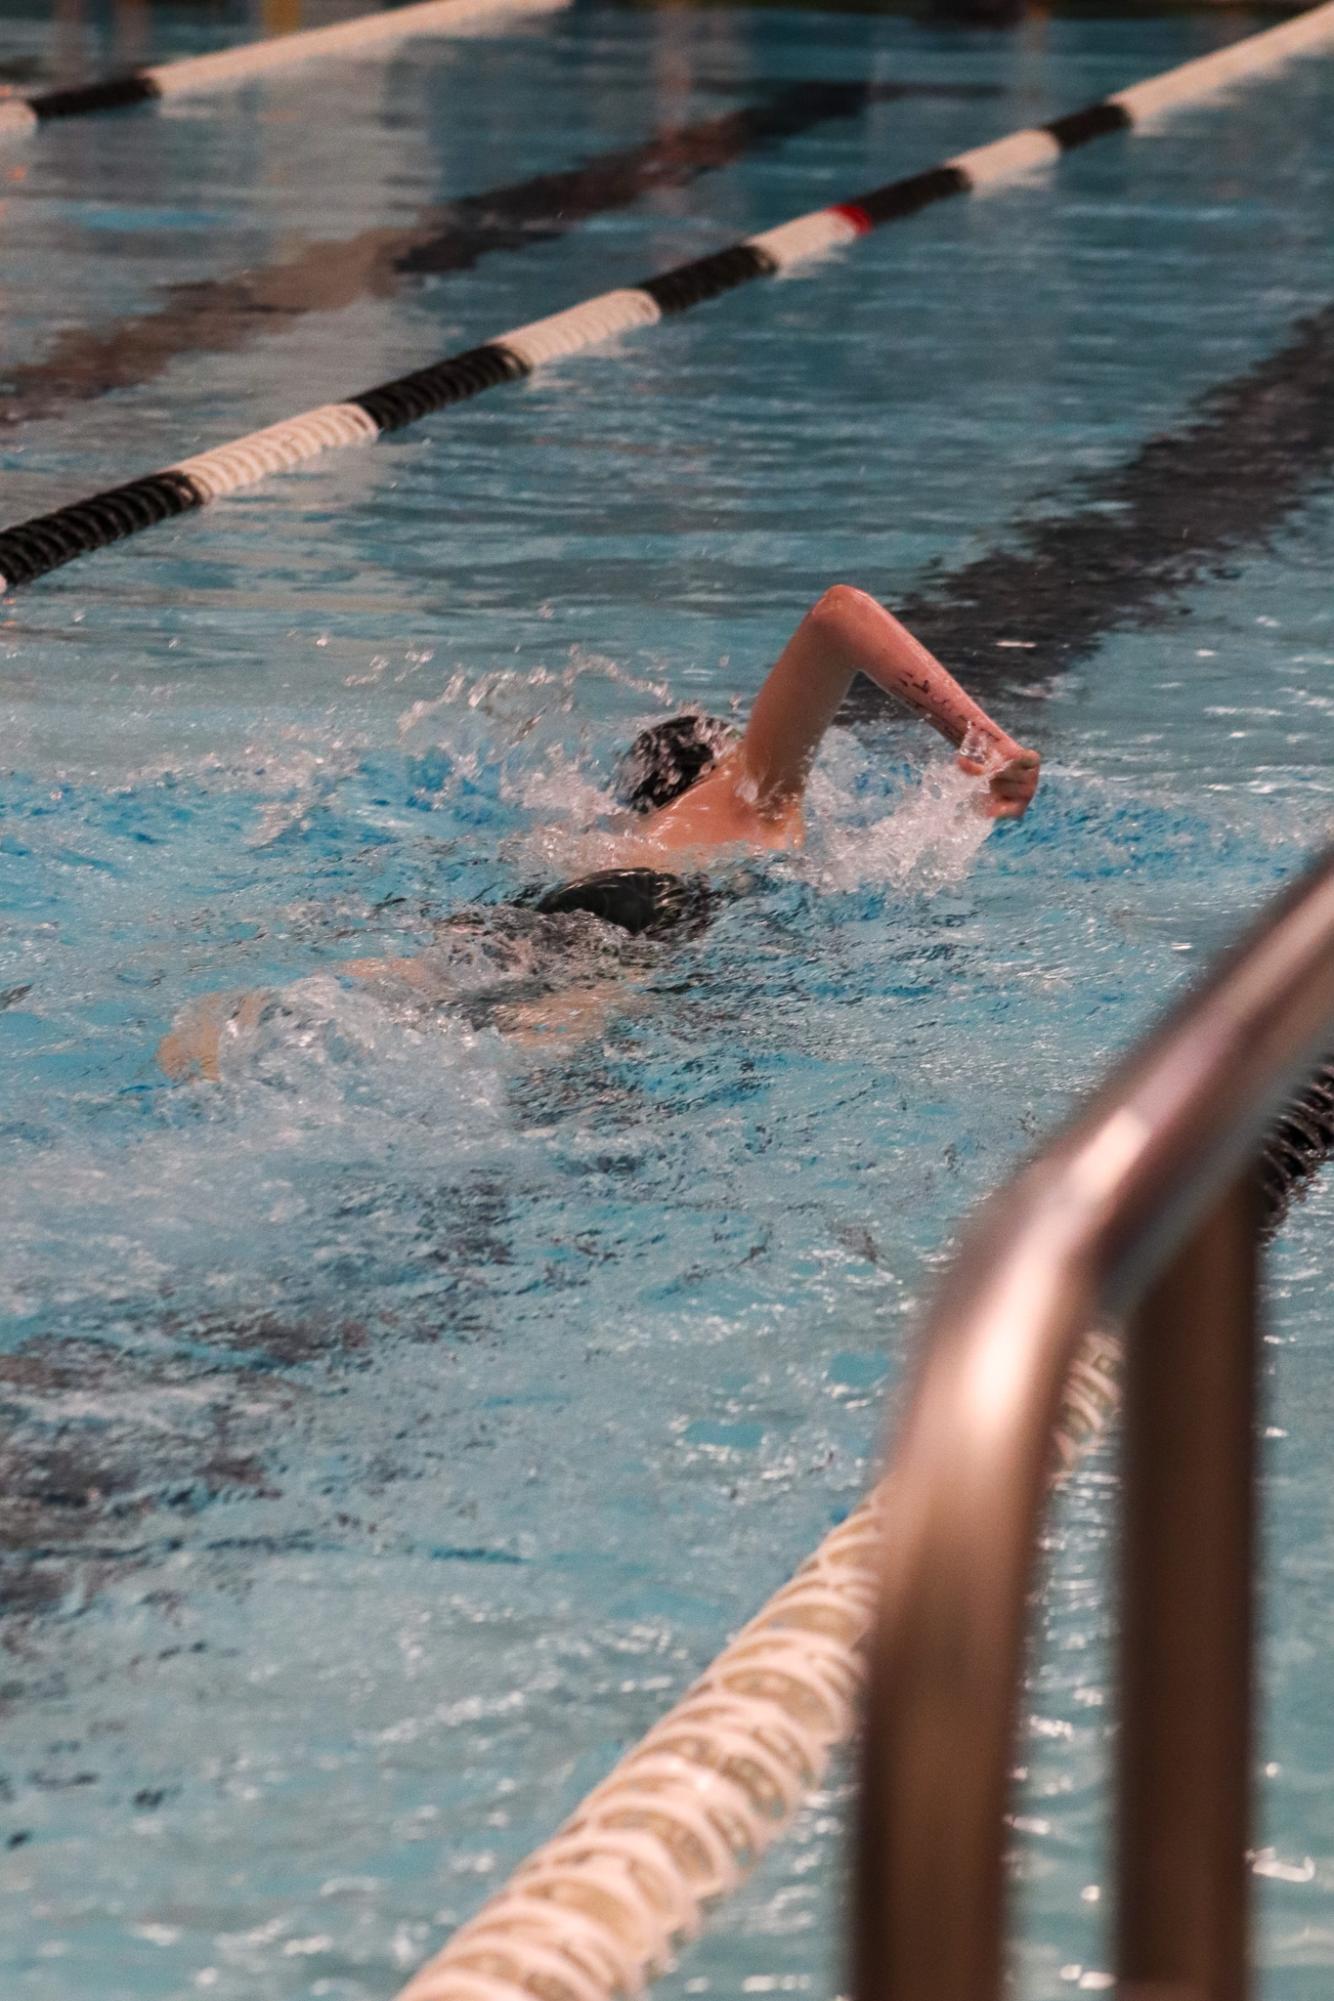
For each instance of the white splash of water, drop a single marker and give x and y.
(927, 841)
(561, 793)
(300, 779)
(329, 1083)
(517, 701)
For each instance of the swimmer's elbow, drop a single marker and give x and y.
(839, 608)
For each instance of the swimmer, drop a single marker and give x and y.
(694, 786)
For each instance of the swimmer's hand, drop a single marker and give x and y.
(1011, 773)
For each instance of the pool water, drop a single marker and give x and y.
(395, 1426)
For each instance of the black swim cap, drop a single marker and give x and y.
(665, 760)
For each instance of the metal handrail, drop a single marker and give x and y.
(1145, 1205)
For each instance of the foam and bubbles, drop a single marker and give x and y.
(329, 1097)
(332, 1082)
(928, 840)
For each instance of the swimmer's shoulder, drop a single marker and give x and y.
(720, 811)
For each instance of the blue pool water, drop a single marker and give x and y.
(394, 1428)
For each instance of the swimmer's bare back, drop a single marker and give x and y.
(752, 795)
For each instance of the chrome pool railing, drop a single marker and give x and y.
(1145, 1206)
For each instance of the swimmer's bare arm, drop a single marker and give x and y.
(844, 633)
(193, 1045)
(571, 1014)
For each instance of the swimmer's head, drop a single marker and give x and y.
(665, 760)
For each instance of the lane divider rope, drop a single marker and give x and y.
(687, 1813)
(191, 75)
(33, 548)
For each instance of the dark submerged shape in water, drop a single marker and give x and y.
(645, 902)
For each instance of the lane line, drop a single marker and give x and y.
(1131, 540)
(32, 549)
(191, 76)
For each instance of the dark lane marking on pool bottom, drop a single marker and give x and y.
(108, 1452)
(91, 1494)
(1250, 452)
(220, 315)
(1257, 448)
(1139, 534)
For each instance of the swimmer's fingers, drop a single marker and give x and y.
(1013, 786)
(1011, 781)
